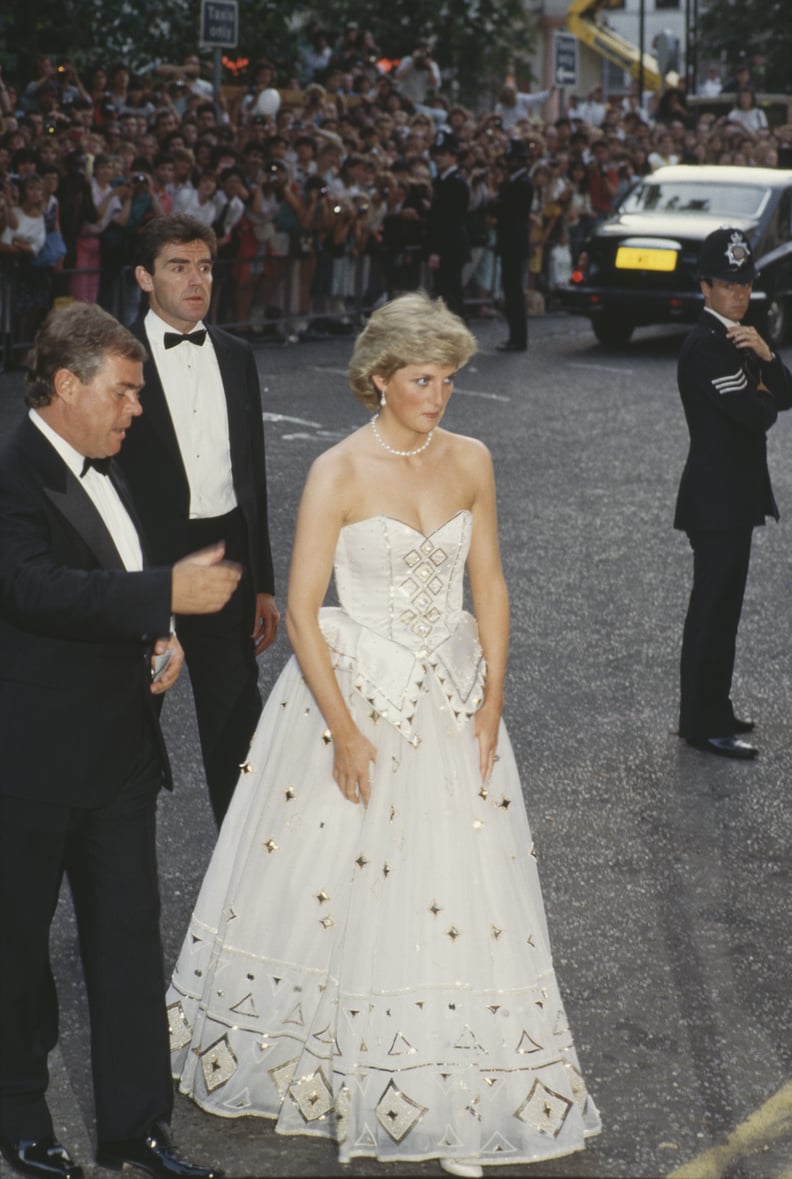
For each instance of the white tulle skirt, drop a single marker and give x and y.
(378, 976)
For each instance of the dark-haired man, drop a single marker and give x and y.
(732, 386)
(84, 635)
(195, 463)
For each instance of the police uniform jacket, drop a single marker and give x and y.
(446, 230)
(725, 483)
(512, 209)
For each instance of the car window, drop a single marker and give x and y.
(785, 217)
(778, 226)
(745, 200)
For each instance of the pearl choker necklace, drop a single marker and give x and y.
(392, 449)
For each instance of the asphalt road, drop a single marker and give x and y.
(666, 873)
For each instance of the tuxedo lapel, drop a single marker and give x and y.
(76, 507)
(64, 492)
(155, 405)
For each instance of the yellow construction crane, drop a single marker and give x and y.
(582, 21)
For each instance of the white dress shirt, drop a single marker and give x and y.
(102, 494)
(196, 399)
(724, 320)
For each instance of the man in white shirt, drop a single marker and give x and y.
(195, 464)
(594, 108)
(513, 105)
(418, 74)
(84, 650)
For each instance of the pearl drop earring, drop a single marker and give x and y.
(383, 400)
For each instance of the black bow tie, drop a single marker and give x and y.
(171, 339)
(102, 465)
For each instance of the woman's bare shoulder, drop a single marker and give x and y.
(467, 448)
(336, 465)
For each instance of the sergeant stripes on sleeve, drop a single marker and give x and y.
(731, 384)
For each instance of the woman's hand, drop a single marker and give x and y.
(487, 725)
(353, 758)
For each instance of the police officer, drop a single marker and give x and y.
(447, 244)
(732, 386)
(512, 209)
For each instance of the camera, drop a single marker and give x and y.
(140, 178)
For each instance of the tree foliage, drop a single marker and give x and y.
(758, 32)
(474, 41)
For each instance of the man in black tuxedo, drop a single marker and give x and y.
(512, 209)
(195, 465)
(447, 245)
(732, 386)
(84, 631)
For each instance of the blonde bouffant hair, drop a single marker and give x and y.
(411, 329)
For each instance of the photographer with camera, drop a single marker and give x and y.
(184, 83)
(315, 220)
(418, 74)
(62, 81)
(272, 215)
(139, 204)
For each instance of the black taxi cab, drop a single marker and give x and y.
(640, 265)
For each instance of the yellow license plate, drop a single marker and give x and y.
(633, 258)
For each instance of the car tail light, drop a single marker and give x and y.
(579, 273)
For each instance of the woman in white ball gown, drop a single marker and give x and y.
(368, 960)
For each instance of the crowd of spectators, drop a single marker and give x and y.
(317, 180)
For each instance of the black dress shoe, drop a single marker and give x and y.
(730, 746)
(41, 1157)
(509, 347)
(742, 726)
(154, 1154)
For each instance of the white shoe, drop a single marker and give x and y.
(461, 1168)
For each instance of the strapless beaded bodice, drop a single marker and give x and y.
(401, 583)
(401, 613)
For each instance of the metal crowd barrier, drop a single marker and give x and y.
(329, 313)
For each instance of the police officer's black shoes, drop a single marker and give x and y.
(730, 746)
